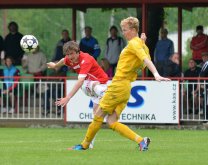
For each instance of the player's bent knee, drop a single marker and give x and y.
(98, 119)
(111, 119)
(109, 123)
(99, 113)
(112, 125)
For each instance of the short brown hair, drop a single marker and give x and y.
(70, 45)
(88, 27)
(132, 22)
(204, 54)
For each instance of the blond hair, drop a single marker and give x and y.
(70, 45)
(132, 22)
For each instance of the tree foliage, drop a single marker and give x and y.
(191, 18)
(47, 24)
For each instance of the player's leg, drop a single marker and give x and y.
(117, 97)
(112, 121)
(93, 128)
(98, 90)
(96, 124)
(95, 107)
(124, 130)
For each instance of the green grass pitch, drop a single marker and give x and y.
(47, 146)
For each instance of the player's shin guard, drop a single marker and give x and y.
(92, 130)
(126, 132)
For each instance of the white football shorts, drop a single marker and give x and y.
(94, 89)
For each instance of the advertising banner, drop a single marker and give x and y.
(150, 102)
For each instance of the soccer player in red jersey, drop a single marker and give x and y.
(91, 77)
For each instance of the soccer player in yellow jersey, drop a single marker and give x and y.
(133, 57)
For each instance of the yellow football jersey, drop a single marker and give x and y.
(131, 60)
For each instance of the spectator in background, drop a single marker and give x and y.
(1, 48)
(89, 44)
(105, 65)
(50, 93)
(202, 88)
(10, 85)
(114, 46)
(191, 72)
(35, 63)
(204, 59)
(12, 43)
(59, 46)
(59, 53)
(199, 44)
(171, 66)
(58, 89)
(163, 50)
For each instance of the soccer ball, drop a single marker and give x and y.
(29, 43)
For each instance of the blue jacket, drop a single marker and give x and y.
(163, 50)
(10, 72)
(91, 46)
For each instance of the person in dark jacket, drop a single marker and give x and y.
(202, 87)
(164, 48)
(12, 43)
(59, 52)
(171, 67)
(89, 44)
(191, 72)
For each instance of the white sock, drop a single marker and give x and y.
(92, 143)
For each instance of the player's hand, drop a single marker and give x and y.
(160, 78)
(62, 101)
(51, 65)
(143, 37)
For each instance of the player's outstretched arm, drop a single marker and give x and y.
(57, 65)
(154, 71)
(63, 101)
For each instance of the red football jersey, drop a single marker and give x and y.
(199, 45)
(87, 67)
